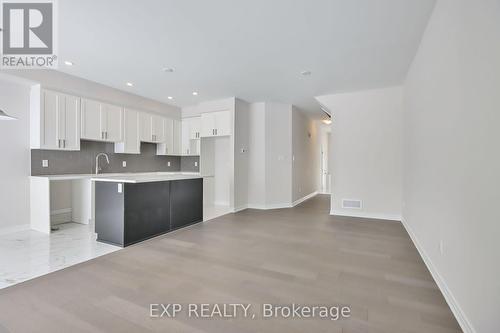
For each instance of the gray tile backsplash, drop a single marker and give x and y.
(83, 161)
(190, 163)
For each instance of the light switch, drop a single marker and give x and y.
(168, 163)
(45, 163)
(195, 164)
(120, 188)
(124, 164)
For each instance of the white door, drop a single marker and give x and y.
(131, 143)
(113, 118)
(50, 112)
(207, 124)
(222, 123)
(194, 127)
(185, 139)
(158, 129)
(177, 139)
(71, 121)
(91, 120)
(146, 133)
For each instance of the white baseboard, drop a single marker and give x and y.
(239, 209)
(462, 319)
(14, 228)
(61, 216)
(367, 215)
(307, 197)
(273, 206)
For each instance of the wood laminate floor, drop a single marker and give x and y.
(298, 255)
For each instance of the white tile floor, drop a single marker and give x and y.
(27, 254)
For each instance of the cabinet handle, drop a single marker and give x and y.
(59, 143)
(216, 131)
(64, 143)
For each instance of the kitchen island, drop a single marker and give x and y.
(133, 208)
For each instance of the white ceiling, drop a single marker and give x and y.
(252, 49)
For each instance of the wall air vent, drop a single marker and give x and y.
(352, 204)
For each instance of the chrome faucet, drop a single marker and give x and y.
(97, 168)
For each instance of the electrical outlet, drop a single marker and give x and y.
(195, 164)
(45, 163)
(441, 247)
(168, 163)
(124, 164)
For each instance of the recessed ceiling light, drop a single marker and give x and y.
(68, 63)
(195, 93)
(305, 73)
(327, 121)
(170, 97)
(168, 69)
(130, 84)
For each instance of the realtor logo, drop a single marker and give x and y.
(28, 34)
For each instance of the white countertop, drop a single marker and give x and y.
(146, 178)
(130, 177)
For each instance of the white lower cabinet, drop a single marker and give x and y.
(101, 121)
(57, 120)
(131, 143)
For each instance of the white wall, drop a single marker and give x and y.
(15, 152)
(241, 160)
(366, 145)
(257, 155)
(451, 156)
(306, 155)
(59, 81)
(278, 154)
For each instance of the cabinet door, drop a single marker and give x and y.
(71, 121)
(176, 150)
(158, 129)
(91, 120)
(223, 123)
(113, 116)
(207, 124)
(186, 202)
(185, 137)
(194, 128)
(131, 143)
(50, 123)
(168, 125)
(146, 133)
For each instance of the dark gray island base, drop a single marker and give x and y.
(127, 213)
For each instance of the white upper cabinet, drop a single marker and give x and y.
(101, 121)
(185, 137)
(216, 124)
(207, 124)
(177, 134)
(152, 128)
(167, 147)
(158, 128)
(194, 127)
(131, 143)
(112, 115)
(56, 122)
(223, 123)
